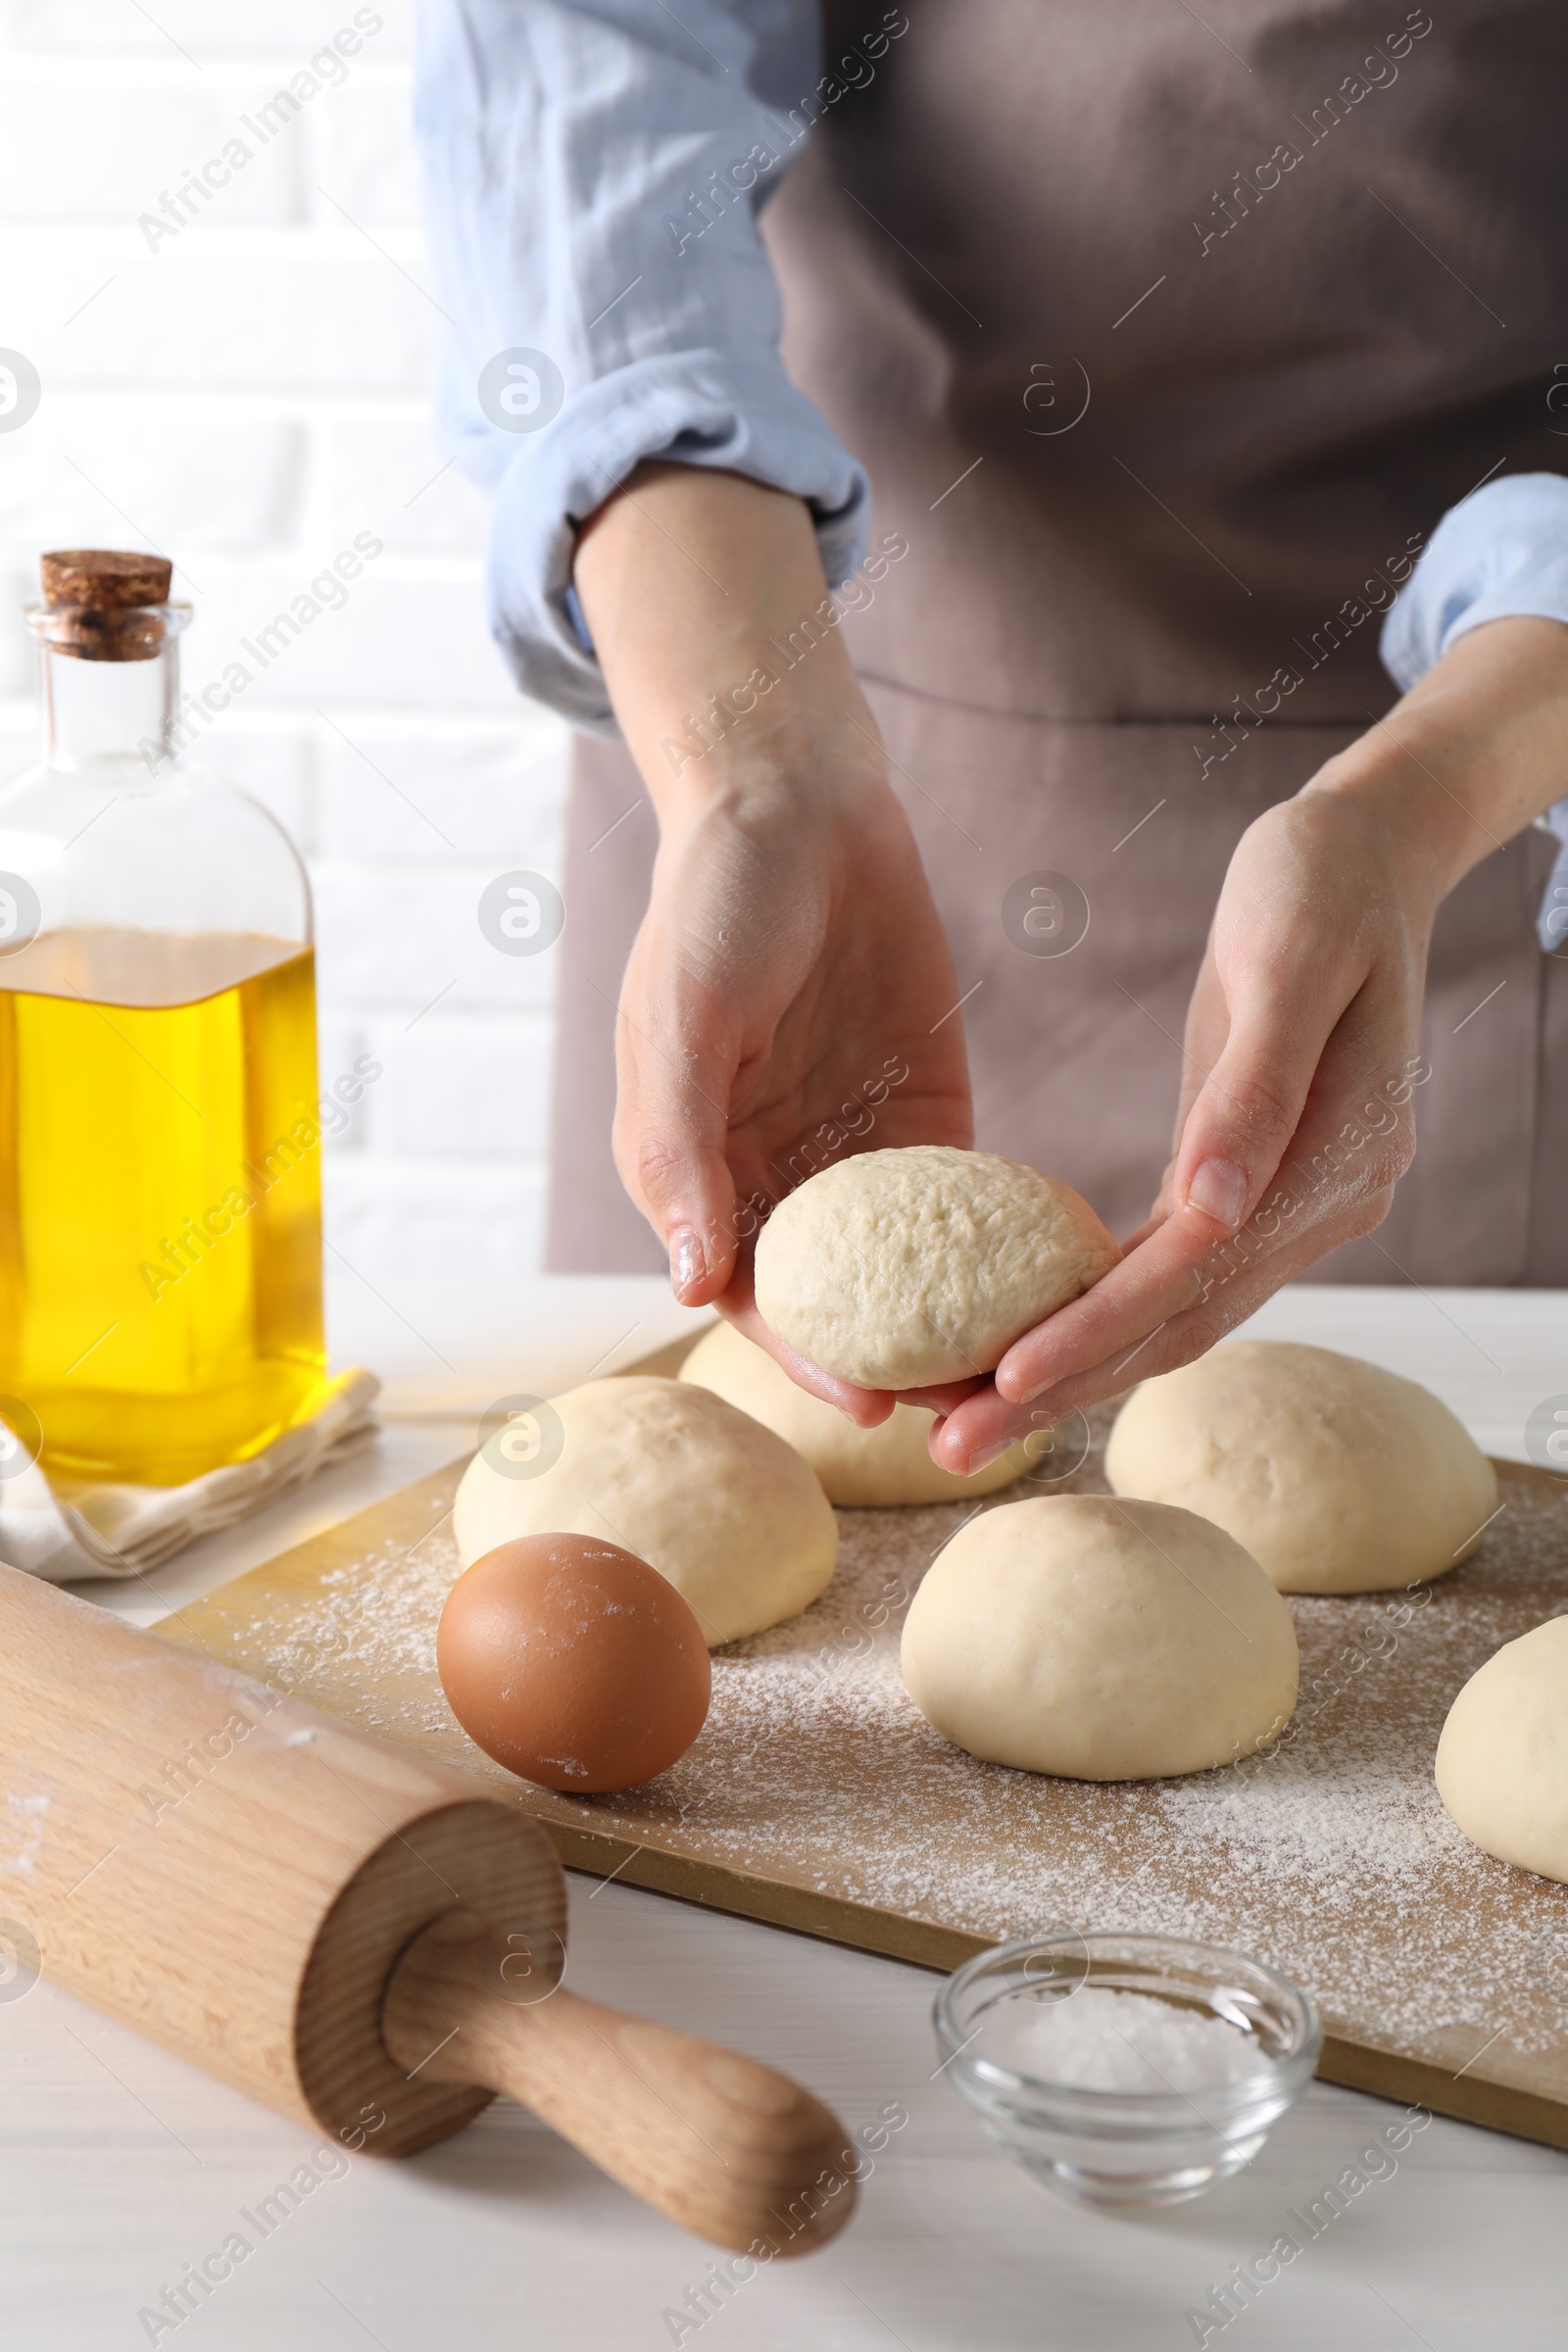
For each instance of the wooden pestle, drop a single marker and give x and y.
(335, 1926)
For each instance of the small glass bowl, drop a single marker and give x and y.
(1124, 2147)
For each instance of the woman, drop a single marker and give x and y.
(1161, 361)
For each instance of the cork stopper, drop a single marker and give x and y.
(103, 604)
(98, 579)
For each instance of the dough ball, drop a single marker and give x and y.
(861, 1468)
(1336, 1476)
(1502, 1760)
(572, 1663)
(1100, 1641)
(721, 1507)
(897, 1269)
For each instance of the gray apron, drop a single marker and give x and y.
(1166, 344)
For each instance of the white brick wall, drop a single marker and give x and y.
(247, 397)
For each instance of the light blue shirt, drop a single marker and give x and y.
(1500, 552)
(595, 169)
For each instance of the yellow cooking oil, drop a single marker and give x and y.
(160, 1199)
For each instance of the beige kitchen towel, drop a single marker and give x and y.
(76, 1528)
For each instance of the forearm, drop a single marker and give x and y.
(709, 614)
(789, 956)
(1470, 755)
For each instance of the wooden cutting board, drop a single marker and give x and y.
(816, 1798)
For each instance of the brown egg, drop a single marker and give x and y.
(574, 1662)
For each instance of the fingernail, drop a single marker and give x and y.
(1219, 1190)
(983, 1456)
(687, 1263)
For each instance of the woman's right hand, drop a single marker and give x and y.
(791, 997)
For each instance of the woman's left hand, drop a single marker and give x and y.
(1297, 1107)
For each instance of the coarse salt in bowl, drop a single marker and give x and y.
(1126, 2069)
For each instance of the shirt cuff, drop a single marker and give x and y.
(1499, 555)
(704, 408)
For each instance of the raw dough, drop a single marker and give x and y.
(861, 1468)
(1336, 1476)
(1099, 1640)
(719, 1505)
(898, 1269)
(1502, 1760)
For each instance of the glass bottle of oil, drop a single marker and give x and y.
(159, 1160)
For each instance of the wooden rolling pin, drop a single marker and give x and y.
(366, 1942)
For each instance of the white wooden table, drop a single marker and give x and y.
(119, 2166)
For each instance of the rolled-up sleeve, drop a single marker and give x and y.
(594, 171)
(1501, 553)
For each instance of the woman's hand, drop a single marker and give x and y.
(783, 1006)
(1296, 1114)
(790, 997)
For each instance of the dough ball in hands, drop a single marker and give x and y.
(901, 1269)
(1100, 1640)
(860, 1468)
(721, 1507)
(1336, 1476)
(1502, 1760)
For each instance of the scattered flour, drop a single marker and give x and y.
(24, 1818)
(1331, 1857)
